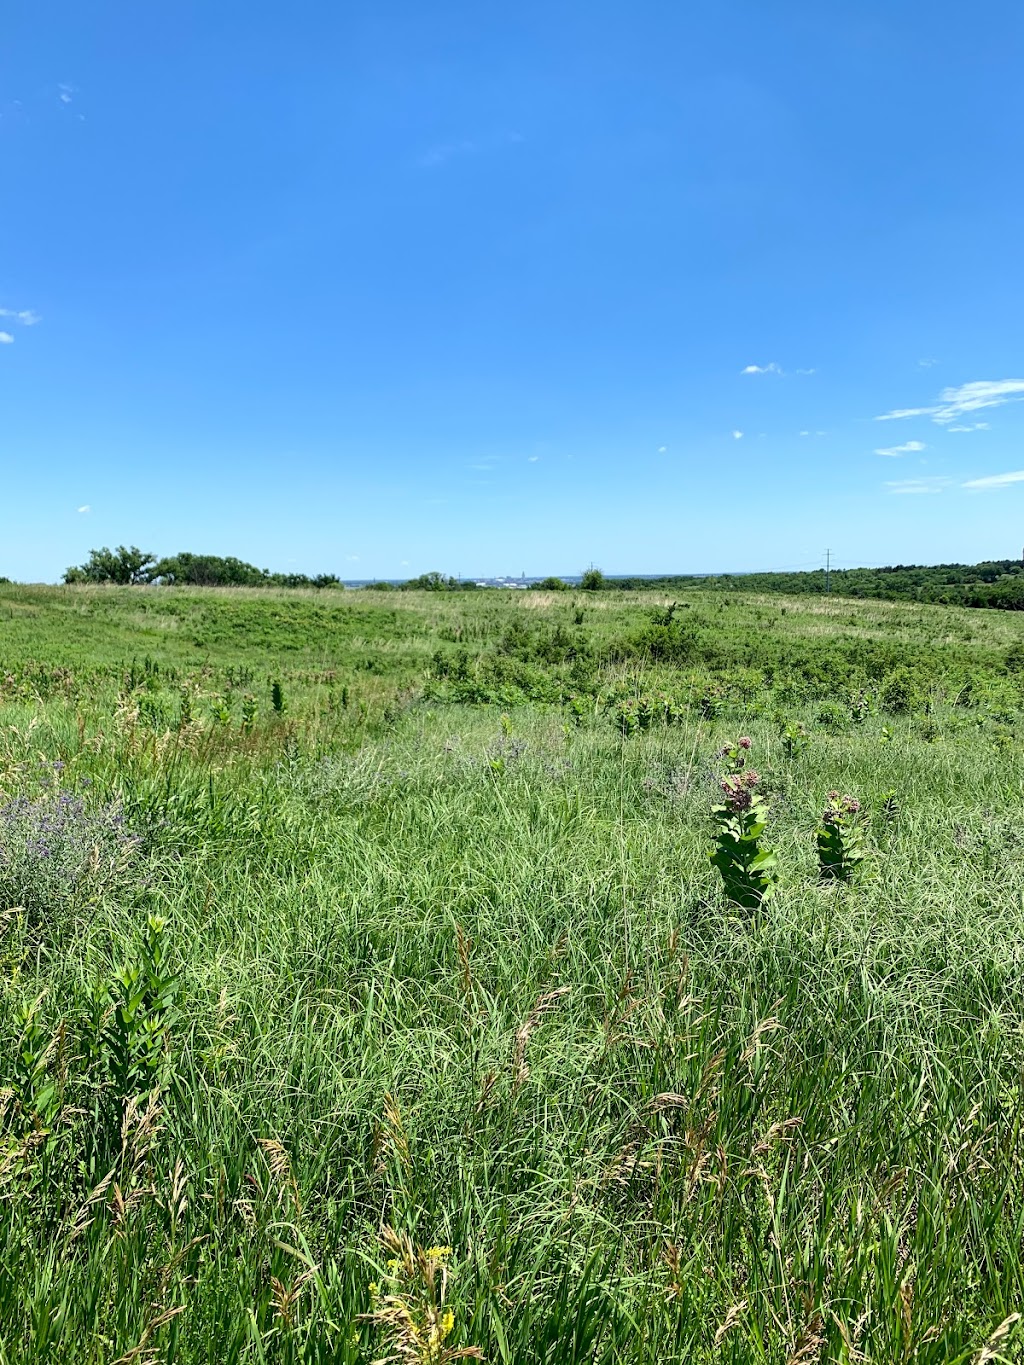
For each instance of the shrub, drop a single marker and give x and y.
(832, 717)
(900, 692)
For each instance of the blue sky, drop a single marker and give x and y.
(382, 288)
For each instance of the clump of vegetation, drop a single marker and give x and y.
(795, 738)
(841, 838)
(409, 1307)
(746, 864)
(901, 692)
(832, 717)
(57, 856)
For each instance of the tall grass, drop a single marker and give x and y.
(461, 1023)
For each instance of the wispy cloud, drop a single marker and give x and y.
(25, 316)
(907, 448)
(969, 426)
(928, 485)
(662, 450)
(927, 363)
(997, 480)
(737, 436)
(532, 459)
(445, 151)
(955, 402)
(5, 338)
(773, 367)
(352, 559)
(65, 93)
(85, 508)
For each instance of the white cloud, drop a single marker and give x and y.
(23, 315)
(907, 448)
(970, 426)
(805, 433)
(811, 371)
(954, 402)
(662, 449)
(85, 508)
(926, 485)
(352, 559)
(770, 368)
(533, 458)
(926, 364)
(899, 413)
(5, 338)
(403, 563)
(997, 480)
(737, 436)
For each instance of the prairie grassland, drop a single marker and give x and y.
(409, 1019)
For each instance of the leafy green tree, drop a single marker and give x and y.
(552, 584)
(126, 564)
(225, 571)
(431, 582)
(210, 571)
(593, 580)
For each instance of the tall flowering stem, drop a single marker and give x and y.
(746, 865)
(841, 836)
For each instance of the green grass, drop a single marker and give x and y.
(462, 969)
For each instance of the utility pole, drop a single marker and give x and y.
(828, 571)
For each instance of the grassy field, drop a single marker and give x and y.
(368, 992)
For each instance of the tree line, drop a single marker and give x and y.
(129, 565)
(997, 583)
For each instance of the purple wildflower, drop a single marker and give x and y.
(839, 809)
(739, 790)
